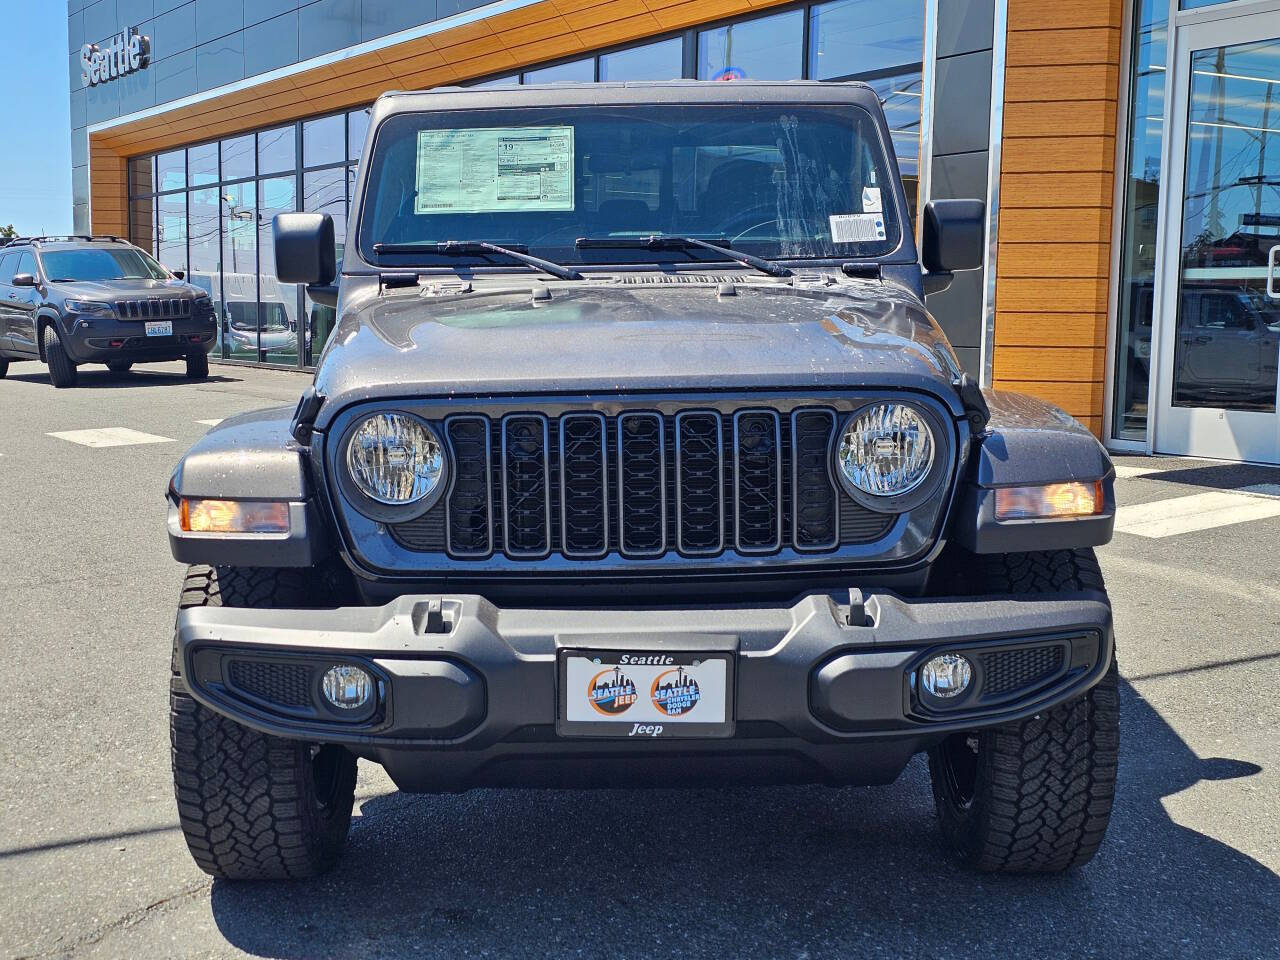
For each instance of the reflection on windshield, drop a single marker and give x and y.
(776, 181)
(106, 264)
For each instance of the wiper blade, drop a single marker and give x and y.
(661, 241)
(461, 248)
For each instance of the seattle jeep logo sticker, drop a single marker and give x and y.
(674, 692)
(611, 692)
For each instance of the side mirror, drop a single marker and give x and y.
(304, 248)
(953, 237)
(23, 280)
(180, 274)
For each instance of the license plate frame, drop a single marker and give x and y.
(158, 328)
(649, 667)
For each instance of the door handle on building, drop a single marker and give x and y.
(1273, 261)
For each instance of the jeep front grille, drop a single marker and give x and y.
(641, 484)
(154, 308)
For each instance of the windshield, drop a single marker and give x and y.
(108, 263)
(774, 180)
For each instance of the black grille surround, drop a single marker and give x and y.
(642, 485)
(155, 308)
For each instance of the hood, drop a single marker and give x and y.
(624, 335)
(121, 289)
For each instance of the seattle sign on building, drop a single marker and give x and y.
(124, 54)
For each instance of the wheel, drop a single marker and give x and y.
(197, 365)
(253, 806)
(1035, 795)
(4, 368)
(119, 366)
(62, 372)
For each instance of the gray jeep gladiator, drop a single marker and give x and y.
(635, 458)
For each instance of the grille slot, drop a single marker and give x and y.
(584, 485)
(526, 489)
(1007, 670)
(699, 483)
(470, 527)
(284, 684)
(642, 495)
(815, 521)
(641, 484)
(757, 468)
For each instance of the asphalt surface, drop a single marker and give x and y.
(92, 863)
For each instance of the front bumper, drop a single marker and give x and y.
(468, 691)
(100, 339)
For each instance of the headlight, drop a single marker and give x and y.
(395, 459)
(89, 308)
(887, 450)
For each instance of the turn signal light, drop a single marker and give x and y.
(1049, 502)
(233, 516)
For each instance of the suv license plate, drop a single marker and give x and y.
(645, 694)
(160, 328)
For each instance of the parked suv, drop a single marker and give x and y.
(73, 300)
(636, 458)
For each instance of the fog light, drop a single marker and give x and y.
(347, 687)
(946, 676)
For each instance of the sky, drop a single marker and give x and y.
(35, 124)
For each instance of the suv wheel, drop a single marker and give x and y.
(253, 806)
(197, 365)
(62, 371)
(119, 366)
(1036, 795)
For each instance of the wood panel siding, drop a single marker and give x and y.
(1056, 186)
(508, 42)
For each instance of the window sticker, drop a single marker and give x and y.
(494, 170)
(871, 200)
(856, 227)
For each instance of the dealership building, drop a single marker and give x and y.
(1128, 152)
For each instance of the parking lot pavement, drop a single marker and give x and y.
(92, 864)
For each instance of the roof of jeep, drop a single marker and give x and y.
(667, 91)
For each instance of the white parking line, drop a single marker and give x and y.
(211, 423)
(1201, 511)
(109, 437)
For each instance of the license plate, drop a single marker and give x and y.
(645, 694)
(159, 328)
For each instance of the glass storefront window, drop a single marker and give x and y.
(357, 130)
(171, 170)
(206, 250)
(240, 269)
(1138, 240)
(513, 81)
(277, 150)
(653, 61)
(277, 302)
(202, 164)
(579, 71)
(171, 234)
(324, 191)
(769, 48)
(237, 158)
(851, 37)
(324, 141)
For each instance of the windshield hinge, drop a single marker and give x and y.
(304, 416)
(867, 270)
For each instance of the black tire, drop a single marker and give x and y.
(62, 372)
(119, 366)
(253, 806)
(197, 365)
(4, 368)
(1036, 795)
